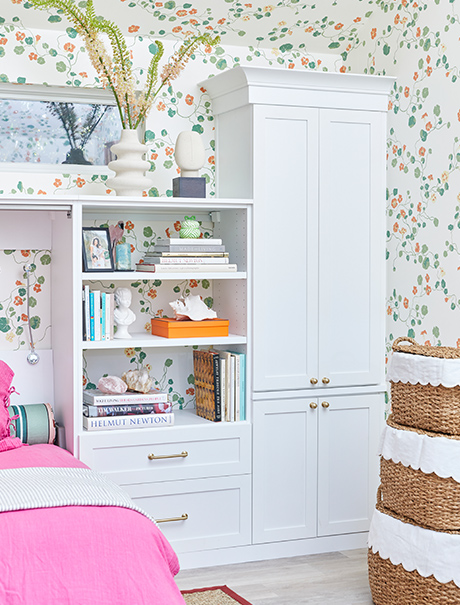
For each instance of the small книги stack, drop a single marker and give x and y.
(98, 309)
(220, 385)
(127, 410)
(183, 254)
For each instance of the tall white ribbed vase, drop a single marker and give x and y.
(130, 165)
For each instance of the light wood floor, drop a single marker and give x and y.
(338, 578)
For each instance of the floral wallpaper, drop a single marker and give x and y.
(414, 40)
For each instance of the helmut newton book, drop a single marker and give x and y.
(128, 422)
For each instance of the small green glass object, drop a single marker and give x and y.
(190, 228)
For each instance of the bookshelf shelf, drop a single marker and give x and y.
(147, 340)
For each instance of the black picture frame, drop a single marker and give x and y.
(96, 256)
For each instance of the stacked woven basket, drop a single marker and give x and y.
(414, 540)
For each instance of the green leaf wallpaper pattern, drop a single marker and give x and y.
(414, 40)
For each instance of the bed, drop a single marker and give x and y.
(79, 554)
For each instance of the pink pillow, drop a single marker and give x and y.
(6, 376)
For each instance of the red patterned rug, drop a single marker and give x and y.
(216, 595)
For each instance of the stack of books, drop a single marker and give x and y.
(220, 385)
(187, 255)
(126, 411)
(98, 308)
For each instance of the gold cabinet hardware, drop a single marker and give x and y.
(183, 517)
(313, 405)
(325, 404)
(162, 457)
(326, 380)
(314, 380)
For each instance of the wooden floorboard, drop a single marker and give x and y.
(338, 578)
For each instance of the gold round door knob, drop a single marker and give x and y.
(313, 405)
(314, 380)
(325, 404)
(326, 380)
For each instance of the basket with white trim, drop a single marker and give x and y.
(420, 476)
(425, 386)
(410, 565)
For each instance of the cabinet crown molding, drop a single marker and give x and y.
(244, 85)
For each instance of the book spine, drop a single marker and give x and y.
(97, 315)
(112, 309)
(103, 315)
(128, 422)
(87, 313)
(242, 386)
(124, 399)
(217, 387)
(223, 382)
(83, 319)
(93, 411)
(91, 315)
(232, 389)
(189, 252)
(184, 267)
(189, 249)
(176, 241)
(107, 315)
(237, 386)
(185, 260)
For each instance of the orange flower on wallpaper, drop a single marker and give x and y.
(24, 317)
(152, 293)
(189, 99)
(25, 253)
(181, 13)
(422, 151)
(69, 47)
(389, 310)
(33, 56)
(3, 41)
(414, 290)
(190, 391)
(129, 226)
(80, 182)
(18, 301)
(177, 225)
(338, 26)
(133, 29)
(417, 247)
(406, 303)
(37, 288)
(193, 283)
(373, 32)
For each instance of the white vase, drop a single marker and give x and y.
(130, 165)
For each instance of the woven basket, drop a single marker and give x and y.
(393, 585)
(430, 501)
(433, 408)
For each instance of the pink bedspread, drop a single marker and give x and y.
(81, 555)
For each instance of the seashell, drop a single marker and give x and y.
(112, 385)
(192, 307)
(138, 380)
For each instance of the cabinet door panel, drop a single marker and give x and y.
(285, 244)
(284, 470)
(351, 247)
(348, 468)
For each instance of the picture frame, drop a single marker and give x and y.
(97, 251)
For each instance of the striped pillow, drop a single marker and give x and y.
(34, 423)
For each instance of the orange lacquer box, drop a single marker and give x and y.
(169, 327)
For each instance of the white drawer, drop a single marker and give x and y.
(217, 510)
(169, 453)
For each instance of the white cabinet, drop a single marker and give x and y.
(309, 148)
(316, 467)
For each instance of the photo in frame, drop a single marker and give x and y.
(97, 253)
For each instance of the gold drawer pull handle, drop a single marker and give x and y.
(325, 404)
(313, 405)
(314, 380)
(183, 517)
(162, 457)
(326, 380)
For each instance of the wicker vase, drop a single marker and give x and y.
(130, 165)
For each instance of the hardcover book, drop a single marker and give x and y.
(184, 260)
(184, 267)
(96, 397)
(93, 411)
(206, 367)
(128, 422)
(189, 241)
(194, 249)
